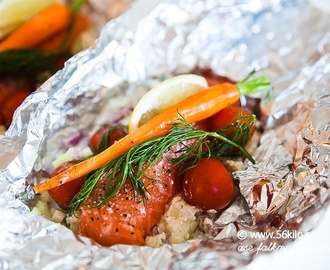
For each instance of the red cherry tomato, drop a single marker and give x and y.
(13, 90)
(64, 194)
(106, 136)
(208, 185)
(202, 125)
(10, 105)
(224, 117)
(229, 116)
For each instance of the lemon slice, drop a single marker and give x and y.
(164, 95)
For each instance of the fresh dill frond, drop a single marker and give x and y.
(194, 144)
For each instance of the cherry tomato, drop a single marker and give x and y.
(13, 90)
(11, 85)
(202, 125)
(10, 105)
(106, 136)
(64, 194)
(224, 117)
(208, 185)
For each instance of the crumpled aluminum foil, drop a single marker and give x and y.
(287, 186)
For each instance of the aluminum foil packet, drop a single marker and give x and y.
(286, 191)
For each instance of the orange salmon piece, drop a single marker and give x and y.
(125, 219)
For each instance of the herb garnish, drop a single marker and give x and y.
(133, 164)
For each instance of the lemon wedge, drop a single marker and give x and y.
(164, 95)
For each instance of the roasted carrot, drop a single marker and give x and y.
(48, 22)
(194, 108)
(65, 38)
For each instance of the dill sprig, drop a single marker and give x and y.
(132, 165)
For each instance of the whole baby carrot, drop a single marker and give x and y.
(194, 108)
(46, 23)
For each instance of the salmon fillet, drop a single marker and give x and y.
(125, 219)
